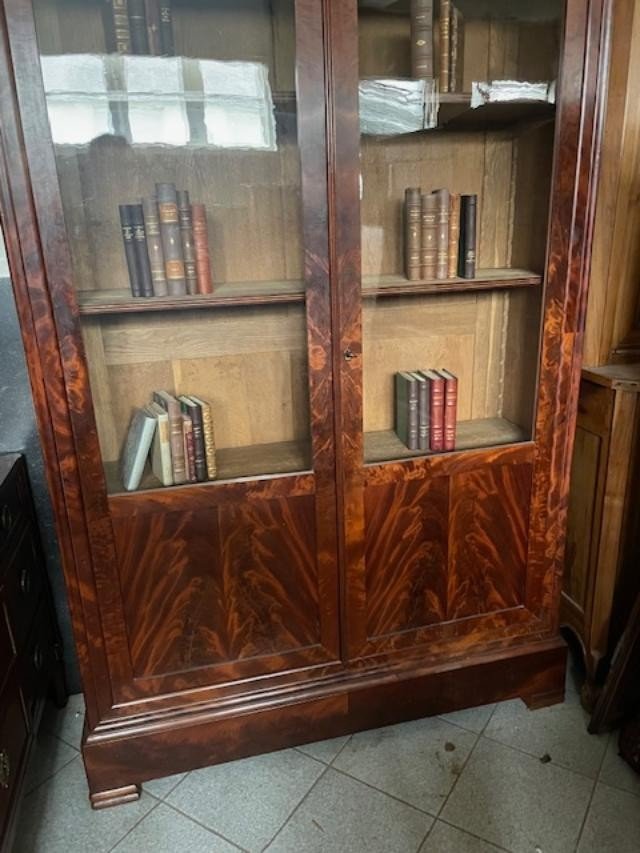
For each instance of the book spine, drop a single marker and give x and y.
(138, 27)
(189, 449)
(162, 465)
(422, 39)
(171, 239)
(413, 227)
(468, 223)
(456, 80)
(154, 246)
(436, 414)
(176, 437)
(454, 234)
(209, 441)
(152, 14)
(445, 44)
(188, 248)
(442, 270)
(167, 47)
(126, 224)
(413, 416)
(118, 35)
(429, 239)
(199, 449)
(141, 249)
(201, 248)
(423, 415)
(450, 413)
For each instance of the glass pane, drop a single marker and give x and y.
(457, 109)
(175, 135)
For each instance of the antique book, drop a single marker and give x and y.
(421, 38)
(171, 239)
(142, 252)
(445, 44)
(450, 408)
(188, 249)
(172, 408)
(201, 248)
(209, 436)
(436, 409)
(429, 237)
(166, 29)
(136, 448)
(442, 266)
(161, 463)
(412, 232)
(189, 448)
(191, 408)
(423, 411)
(126, 224)
(457, 50)
(154, 246)
(454, 234)
(152, 14)
(116, 25)
(407, 409)
(138, 27)
(468, 224)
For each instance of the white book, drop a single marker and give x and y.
(161, 462)
(137, 446)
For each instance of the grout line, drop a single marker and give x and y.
(381, 791)
(473, 835)
(593, 791)
(170, 791)
(50, 776)
(203, 825)
(424, 840)
(457, 779)
(137, 823)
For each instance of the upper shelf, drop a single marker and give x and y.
(456, 113)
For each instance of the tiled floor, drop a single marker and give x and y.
(489, 779)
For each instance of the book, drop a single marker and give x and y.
(429, 236)
(407, 409)
(126, 225)
(436, 409)
(421, 38)
(468, 224)
(201, 247)
(161, 463)
(152, 14)
(189, 449)
(136, 448)
(450, 408)
(172, 407)
(456, 61)
(138, 27)
(445, 44)
(191, 408)
(154, 246)
(454, 234)
(209, 436)
(166, 28)
(116, 24)
(188, 248)
(423, 411)
(141, 250)
(412, 229)
(171, 239)
(442, 266)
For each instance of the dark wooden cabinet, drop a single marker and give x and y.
(329, 579)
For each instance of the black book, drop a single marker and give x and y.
(166, 28)
(142, 251)
(138, 27)
(126, 223)
(407, 416)
(468, 226)
(191, 408)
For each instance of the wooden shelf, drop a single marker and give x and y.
(385, 445)
(487, 279)
(456, 113)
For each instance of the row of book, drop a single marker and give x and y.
(177, 432)
(426, 409)
(166, 244)
(143, 27)
(440, 234)
(449, 43)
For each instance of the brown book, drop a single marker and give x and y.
(412, 233)
(422, 39)
(429, 239)
(468, 237)
(166, 29)
(454, 234)
(171, 239)
(445, 44)
(116, 24)
(142, 252)
(176, 435)
(450, 409)
(152, 14)
(436, 409)
(442, 267)
(456, 61)
(126, 225)
(154, 246)
(191, 408)
(189, 448)
(201, 248)
(138, 27)
(209, 436)
(188, 249)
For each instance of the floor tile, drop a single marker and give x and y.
(515, 801)
(49, 755)
(473, 719)
(613, 823)
(341, 814)
(324, 750)
(161, 788)
(66, 723)
(615, 770)
(57, 817)
(559, 731)
(247, 801)
(447, 839)
(166, 831)
(417, 762)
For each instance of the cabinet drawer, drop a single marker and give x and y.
(35, 662)
(13, 740)
(24, 588)
(6, 647)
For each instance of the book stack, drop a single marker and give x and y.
(177, 433)
(166, 244)
(440, 235)
(426, 409)
(143, 27)
(446, 52)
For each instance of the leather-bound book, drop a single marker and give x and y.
(126, 224)
(423, 411)
(188, 249)
(166, 29)
(191, 408)
(201, 247)
(422, 39)
(152, 14)
(189, 448)
(407, 413)
(171, 239)
(443, 203)
(138, 27)
(209, 437)
(457, 50)
(154, 246)
(142, 252)
(429, 239)
(161, 463)
(116, 25)
(454, 234)
(445, 44)
(450, 408)
(176, 435)
(412, 233)
(468, 225)
(436, 409)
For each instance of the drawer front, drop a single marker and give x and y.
(13, 494)
(6, 647)
(24, 584)
(36, 660)
(13, 740)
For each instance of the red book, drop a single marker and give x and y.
(436, 409)
(450, 408)
(201, 246)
